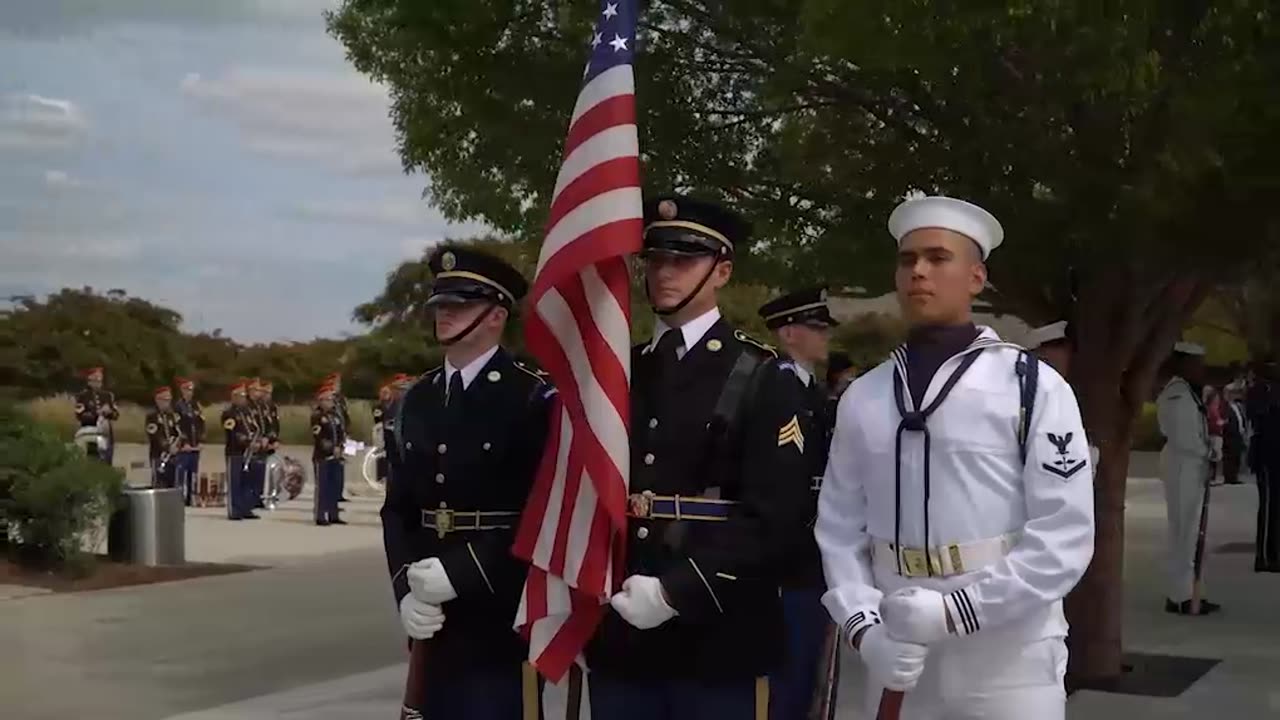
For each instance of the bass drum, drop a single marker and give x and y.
(285, 478)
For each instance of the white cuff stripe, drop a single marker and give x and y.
(860, 620)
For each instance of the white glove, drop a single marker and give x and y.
(429, 582)
(916, 615)
(892, 664)
(641, 602)
(420, 620)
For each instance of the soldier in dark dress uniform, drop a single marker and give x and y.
(96, 407)
(802, 323)
(329, 433)
(163, 438)
(719, 493)
(240, 430)
(258, 412)
(339, 403)
(191, 423)
(467, 442)
(1262, 403)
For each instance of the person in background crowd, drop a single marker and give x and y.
(801, 323)
(164, 437)
(191, 423)
(1262, 404)
(1055, 344)
(1235, 432)
(239, 429)
(840, 372)
(1215, 414)
(257, 410)
(329, 433)
(1185, 463)
(381, 415)
(96, 407)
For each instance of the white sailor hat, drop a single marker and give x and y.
(949, 214)
(1047, 334)
(1188, 348)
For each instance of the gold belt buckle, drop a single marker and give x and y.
(641, 504)
(444, 521)
(914, 562)
(957, 564)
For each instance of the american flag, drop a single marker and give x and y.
(579, 331)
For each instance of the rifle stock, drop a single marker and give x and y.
(890, 705)
(415, 685)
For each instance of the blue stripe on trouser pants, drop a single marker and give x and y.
(235, 489)
(618, 699)
(478, 694)
(792, 688)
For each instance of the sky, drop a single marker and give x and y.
(218, 157)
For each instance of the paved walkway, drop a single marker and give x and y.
(316, 636)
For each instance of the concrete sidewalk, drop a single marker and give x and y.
(317, 634)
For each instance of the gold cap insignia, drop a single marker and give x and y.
(668, 210)
(229, 424)
(494, 376)
(151, 428)
(714, 345)
(448, 261)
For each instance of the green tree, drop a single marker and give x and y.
(1129, 149)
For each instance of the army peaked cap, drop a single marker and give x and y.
(805, 307)
(467, 275)
(680, 225)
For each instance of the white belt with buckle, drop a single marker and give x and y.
(942, 560)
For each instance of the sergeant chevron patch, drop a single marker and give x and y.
(791, 434)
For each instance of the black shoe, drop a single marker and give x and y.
(338, 521)
(251, 516)
(322, 523)
(235, 518)
(259, 505)
(343, 499)
(1184, 607)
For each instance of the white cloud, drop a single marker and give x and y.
(336, 118)
(61, 180)
(35, 122)
(395, 213)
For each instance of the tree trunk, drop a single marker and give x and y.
(1125, 330)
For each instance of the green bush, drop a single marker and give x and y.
(53, 497)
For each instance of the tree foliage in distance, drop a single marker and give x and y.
(1129, 148)
(46, 343)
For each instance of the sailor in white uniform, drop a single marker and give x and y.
(1184, 470)
(957, 508)
(1055, 344)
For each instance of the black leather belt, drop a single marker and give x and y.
(448, 520)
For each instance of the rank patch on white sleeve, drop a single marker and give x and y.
(1064, 465)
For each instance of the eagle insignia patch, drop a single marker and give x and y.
(791, 434)
(1064, 466)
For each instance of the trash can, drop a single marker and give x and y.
(149, 528)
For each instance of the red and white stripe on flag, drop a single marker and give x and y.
(579, 330)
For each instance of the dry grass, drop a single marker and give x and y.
(58, 412)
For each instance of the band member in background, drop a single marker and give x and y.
(272, 411)
(238, 427)
(191, 423)
(339, 400)
(801, 323)
(96, 407)
(698, 625)
(259, 415)
(381, 414)
(329, 433)
(950, 532)
(464, 451)
(164, 437)
(1185, 462)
